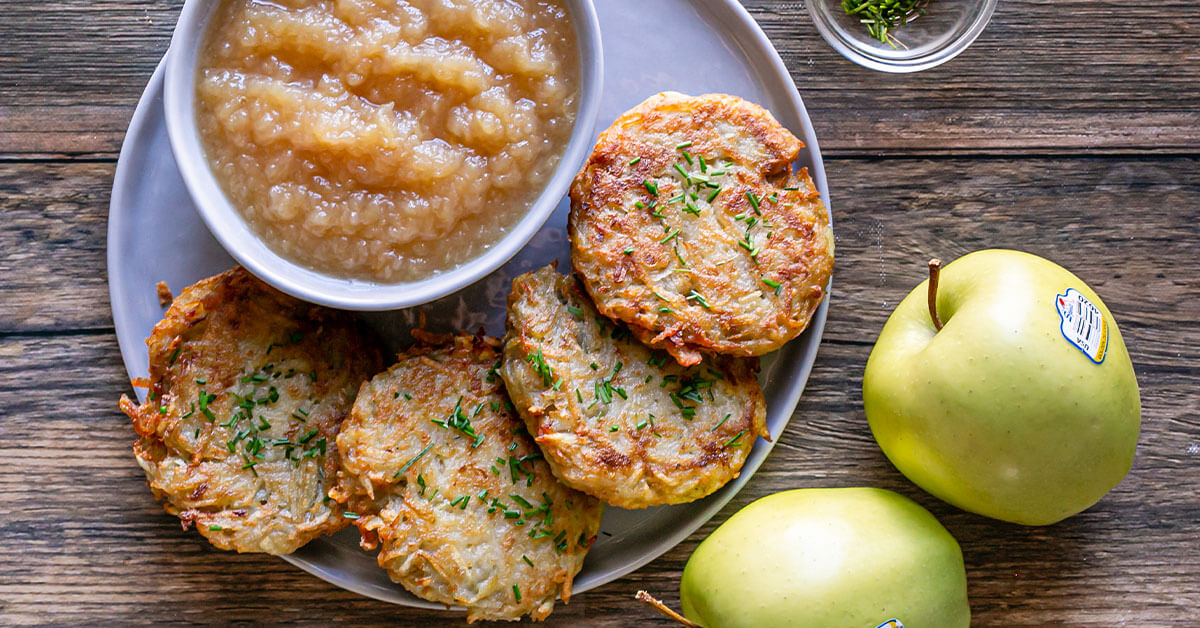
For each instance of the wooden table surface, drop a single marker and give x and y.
(1070, 129)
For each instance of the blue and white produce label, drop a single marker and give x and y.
(1082, 324)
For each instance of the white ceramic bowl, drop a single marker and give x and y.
(232, 231)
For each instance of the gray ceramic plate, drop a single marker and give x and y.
(691, 46)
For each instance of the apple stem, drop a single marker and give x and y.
(650, 601)
(935, 269)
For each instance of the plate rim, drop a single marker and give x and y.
(743, 27)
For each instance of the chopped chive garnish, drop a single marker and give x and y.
(541, 368)
(517, 592)
(350, 515)
(215, 528)
(774, 284)
(671, 235)
(714, 428)
(641, 424)
(413, 461)
(629, 251)
(613, 428)
(574, 310)
(753, 202)
(683, 173)
(204, 400)
(681, 145)
(526, 559)
(734, 442)
(699, 298)
(634, 161)
(651, 187)
(713, 196)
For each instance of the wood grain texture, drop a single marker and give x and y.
(1046, 76)
(99, 550)
(1070, 129)
(1128, 226)
(85, 542)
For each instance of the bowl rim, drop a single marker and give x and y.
(818, 11)
(235, 235)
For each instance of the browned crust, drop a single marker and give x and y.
(164, 293)
(675, 460)
(467, 553)
(209, 334)
(741, 315)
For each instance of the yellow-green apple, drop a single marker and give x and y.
(823, 557)
(1002, 386)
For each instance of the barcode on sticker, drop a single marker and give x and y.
(1082, 324)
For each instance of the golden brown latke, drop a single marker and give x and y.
(248, 387)
(688, 224)
(614, 418)
(446, 479)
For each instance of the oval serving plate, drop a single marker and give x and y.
(690, 46)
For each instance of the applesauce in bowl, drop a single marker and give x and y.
(380, 143)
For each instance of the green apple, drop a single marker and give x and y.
(1023, 406)
(824, 557)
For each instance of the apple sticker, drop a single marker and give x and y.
(1082, 324)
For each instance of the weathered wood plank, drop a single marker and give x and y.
(1046, 76)
(1127, 226)
(52, 246)
(84, 541)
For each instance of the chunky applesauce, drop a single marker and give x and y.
(386, 140)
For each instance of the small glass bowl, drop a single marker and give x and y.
(947, 28)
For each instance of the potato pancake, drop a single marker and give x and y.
(614, 418)
(445, 479)
(248, 388)
(688, 224)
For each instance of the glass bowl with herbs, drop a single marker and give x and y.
(900, 35)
